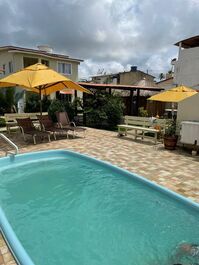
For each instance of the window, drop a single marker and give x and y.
(45, 62)
(63, 97)
(65, 68)
(4, 69)
(27, 61)
(10, 66)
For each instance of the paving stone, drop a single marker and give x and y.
(7, 257)
(1, 260)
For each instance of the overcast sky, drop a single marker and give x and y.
(110, 35)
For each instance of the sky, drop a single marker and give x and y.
(109, 35)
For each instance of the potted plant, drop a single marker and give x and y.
(170, 137)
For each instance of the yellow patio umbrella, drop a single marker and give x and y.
(40, 79)
(175, 94)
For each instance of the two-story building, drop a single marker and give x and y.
(14, 58)
(186, 72)
(123, 78)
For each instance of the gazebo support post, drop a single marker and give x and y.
(131, 102)
(137, 101)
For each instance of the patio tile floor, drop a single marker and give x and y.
(176, 170)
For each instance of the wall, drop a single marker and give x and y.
(125, 78)
(130, 78)
(17, 59)
(104, 79)
(188, 109)
(5, 58)
(187, 67)
(53, 63)
(166, 84)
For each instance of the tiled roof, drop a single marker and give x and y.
(189, 43)
(39, 52)
(161, 81)
(125, 87)
(122, 73)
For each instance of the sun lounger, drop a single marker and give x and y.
(64, 122)
(11, 122)
(26, 126)
(48, 125)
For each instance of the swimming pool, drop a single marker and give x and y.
(66, 208)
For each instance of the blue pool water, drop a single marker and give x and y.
(69, 209)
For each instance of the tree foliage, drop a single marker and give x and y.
(103, 110)
(7, 100)
(56, 105)
(69, 107)
(33, 102)
(161, 76)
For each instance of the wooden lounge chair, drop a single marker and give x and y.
(26, 126)
(64, 122)
(48, 125)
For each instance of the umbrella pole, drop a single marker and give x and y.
(40, 101)
(172, 110)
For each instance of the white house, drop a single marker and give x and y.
(186, 67)
(14, 58)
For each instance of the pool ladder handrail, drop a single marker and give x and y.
(7, 140)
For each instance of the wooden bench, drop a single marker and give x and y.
(11, 122)
(142, 127)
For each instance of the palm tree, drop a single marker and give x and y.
(161, 76)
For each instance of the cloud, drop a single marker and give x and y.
(107, 34)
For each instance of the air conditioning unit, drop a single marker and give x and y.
(190, 132)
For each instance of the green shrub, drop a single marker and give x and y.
(9, 97)
(2, 122)
(46, 103)
(7, 100)
(103, 110)
(142, 112)
(170, 129)
(33, 103)
(55, 105)
(114, 111)
(69, 107)
(2, 103)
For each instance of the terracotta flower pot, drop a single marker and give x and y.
(170, 142)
